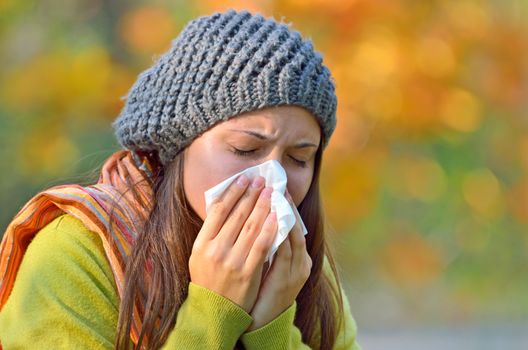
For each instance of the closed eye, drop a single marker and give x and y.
(240, 152)
(301, 163)
(244, 153)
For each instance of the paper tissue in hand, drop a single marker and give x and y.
(275, 177)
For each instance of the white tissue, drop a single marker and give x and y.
(275, 177)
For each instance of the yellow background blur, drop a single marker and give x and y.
(424, 182)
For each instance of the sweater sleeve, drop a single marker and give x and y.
(65, 297)
(281, 333)
(207, 320)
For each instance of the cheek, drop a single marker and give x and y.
(200, 172)
(193, 184)
(298, 184)
(204, 169)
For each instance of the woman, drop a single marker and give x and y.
(136, 259)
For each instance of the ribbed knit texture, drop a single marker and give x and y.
(218, 67)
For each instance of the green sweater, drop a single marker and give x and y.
(65, 297)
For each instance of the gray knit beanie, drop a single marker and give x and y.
(218, 67)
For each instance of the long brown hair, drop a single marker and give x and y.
(157, 272)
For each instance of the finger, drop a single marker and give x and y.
(253, 224)
(221, 207)
(235, 221)
(299, 251)
(286, 252)
(281, 260)
(261, 246)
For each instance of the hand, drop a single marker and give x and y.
(289, 272)
(229, 251)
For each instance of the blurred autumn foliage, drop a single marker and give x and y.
(425, 181)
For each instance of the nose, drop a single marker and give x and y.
(276, 154)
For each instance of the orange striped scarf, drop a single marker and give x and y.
(91, 205)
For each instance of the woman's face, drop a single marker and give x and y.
(288, 134)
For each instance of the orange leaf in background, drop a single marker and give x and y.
(460, 110)
(502, 73)
(334, 4)
(374, 59)
(349, 186)
(410, 259)
(262, 6)
(350, 136)
(418, 114)
(148, 29)
(482, 192)
(89, 75)
(469, 18)
(384, 104)
(518, 201)
(435, 57)
(523, 153)
(418, 178)
(79, 82)
(46, 152)
(19, 90)
(121, 81)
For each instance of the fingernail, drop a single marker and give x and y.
(272, 216)
(266, 192)
(242, 180)
(257, 182)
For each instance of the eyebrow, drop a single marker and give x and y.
(265, 137)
